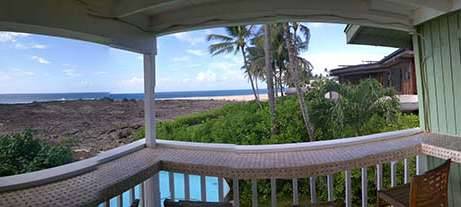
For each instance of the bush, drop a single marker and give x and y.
(362, 109)
(21, 153)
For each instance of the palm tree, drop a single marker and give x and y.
(234, 41)
(269, 75)
(294, 44)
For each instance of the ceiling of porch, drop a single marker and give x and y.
(131, 24)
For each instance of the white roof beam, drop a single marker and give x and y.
(73, 19)
(439, 5)
(231, 12)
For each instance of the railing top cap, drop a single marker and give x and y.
(289, 147)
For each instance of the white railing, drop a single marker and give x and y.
(172, 193)
(203, 189)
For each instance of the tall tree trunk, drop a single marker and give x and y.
(270, 77)
(250, 77)
(257, 86)
(280, 80)
(293, 69)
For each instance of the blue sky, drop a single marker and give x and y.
(42, 64)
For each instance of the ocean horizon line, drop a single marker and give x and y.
(23, 98)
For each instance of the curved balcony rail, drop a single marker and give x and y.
(131, 171)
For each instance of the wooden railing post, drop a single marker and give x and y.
(295, 191)
(236, 193)
(273, 192)
(203, 188)
(364, 187)
(393, 173)
(348, 190)
(186, 187)
(171, 184)
(330, 188)
(220, 189)
(313, 190)
(254, 192)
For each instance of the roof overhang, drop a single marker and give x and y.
(384, 64)
(132, 24)
(365, 35)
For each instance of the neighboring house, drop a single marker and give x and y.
(396, 70)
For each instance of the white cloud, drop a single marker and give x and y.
(208, 76)
(189, 37)
(40, 60)
(135, 83)
(11, 36)
(71, 72)
(22, 73)
(30, 46)
(317, 24)
(196, 52)
(101, 73)
(181, 59)
(5, 76)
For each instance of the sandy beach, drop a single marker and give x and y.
(90, 127)
(262, 97)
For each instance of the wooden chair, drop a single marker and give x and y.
(428, 190)
(173, 203)
(336, 203)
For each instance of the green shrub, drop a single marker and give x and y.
(363, 109)
(21, 153)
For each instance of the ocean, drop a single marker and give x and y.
(46, 97)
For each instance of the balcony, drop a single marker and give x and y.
(107, 176)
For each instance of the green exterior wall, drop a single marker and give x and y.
(440, 74)
(438, 66)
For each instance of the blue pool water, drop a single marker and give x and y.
(211, 186)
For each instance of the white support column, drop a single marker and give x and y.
(273, 192)
(348, 190)
(330, 188)
(312, 189)
(393, 173)
(295, 192)
(149, 91)
(364, 187)
(254, 193)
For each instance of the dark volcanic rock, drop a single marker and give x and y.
(91, 126)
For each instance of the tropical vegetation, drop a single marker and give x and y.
(21, 153)
(361, 109)
(266, 49)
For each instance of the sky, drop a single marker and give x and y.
(43, 64)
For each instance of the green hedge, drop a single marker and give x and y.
(363, 109)
(21, 153)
